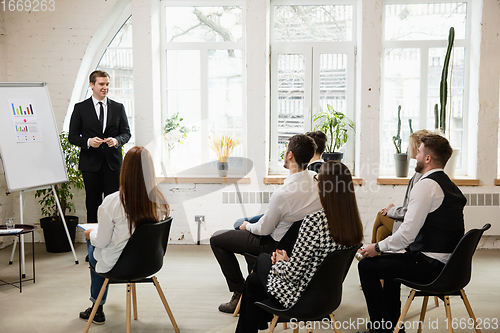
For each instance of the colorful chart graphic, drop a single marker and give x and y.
(24, 120)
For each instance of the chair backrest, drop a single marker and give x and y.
(288, 240)
(143, 254)
(323, 294)
(456, 273)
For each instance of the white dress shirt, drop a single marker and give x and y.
(291, 202)
(425, 197)
(98, 110)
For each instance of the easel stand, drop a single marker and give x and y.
(21, 218)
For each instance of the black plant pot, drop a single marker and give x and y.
(56, 240)
(335, 156)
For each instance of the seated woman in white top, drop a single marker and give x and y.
(138, 201)
(282, 279)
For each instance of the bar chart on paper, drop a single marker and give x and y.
(24, 120)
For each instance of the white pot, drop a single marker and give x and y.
(450, 167)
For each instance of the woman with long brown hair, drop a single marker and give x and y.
(283, 279)
(138, 201)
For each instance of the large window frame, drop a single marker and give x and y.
(311, 52)
(207, 156)
(424, 46)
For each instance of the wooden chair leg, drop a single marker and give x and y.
(422, 314)
(165, 304)
(296, 329)
(237, 310)
(96, 305)
(309, 328)
(273, 324)
(134, 301)
(469, 310)
(448, 313)
(405, 310)
(436, 301)
(285, 326)
(334, 322)
(129, 310)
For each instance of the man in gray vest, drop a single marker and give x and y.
(433, 226)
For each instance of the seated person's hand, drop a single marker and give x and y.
(279, 255)
(386, 209)
(369, 251)
(244, 225)
(87, 233)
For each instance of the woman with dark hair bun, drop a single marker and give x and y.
(138, 201)
(283, 279)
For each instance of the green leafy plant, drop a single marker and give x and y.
(174, 132)
(440, 114)
(64, 191)
(335, 125)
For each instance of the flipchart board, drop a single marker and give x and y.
(29, 141)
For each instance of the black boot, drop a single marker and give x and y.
(99, 317)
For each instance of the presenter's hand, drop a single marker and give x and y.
(95, 142)
(111, 142)
(87, 233)
(386, 209)
(369, 251)
(244, 225)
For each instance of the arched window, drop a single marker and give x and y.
(117, 61)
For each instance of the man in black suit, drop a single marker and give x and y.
(100, 127)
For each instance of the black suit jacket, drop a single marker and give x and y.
(84, 125)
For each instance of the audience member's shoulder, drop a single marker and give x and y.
(112, 197)
(316, 216)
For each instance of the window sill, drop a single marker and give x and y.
(459, 181)
(279, 180)
(203, 180)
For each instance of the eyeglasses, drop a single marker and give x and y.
(315, 177)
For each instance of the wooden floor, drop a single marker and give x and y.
(194, 287)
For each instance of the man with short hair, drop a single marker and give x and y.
(316, 161)
(291, 202)
(433, 226)
(99, 126)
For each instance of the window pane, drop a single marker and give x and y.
(401, 87)
(313, 23)
(455, 102)
(225, 95)
(291, 93)
(117, 61)
(184, 97)
(427, 21)
(333, 81)
(204, 24)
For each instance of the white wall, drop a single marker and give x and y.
(61, 39)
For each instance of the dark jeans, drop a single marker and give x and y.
(252, 317)
(225, 243)
(105, 181)
(384, 303)
(96, 281)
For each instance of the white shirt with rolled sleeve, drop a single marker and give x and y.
(425, 197)
(291, 202)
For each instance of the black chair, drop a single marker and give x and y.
(451, 281)
(141, 258)
(322, 295)
(286, 243)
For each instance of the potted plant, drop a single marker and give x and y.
(336, 126)
(51, 223)
(174, 132)
(223, 147)
(440, 118)
(401, 159)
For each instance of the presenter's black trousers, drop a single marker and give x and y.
(384, 303)
(226, 243)
(102, 182)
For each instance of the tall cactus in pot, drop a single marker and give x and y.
(440, 115)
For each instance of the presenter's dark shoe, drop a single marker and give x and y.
(230, 306)
(99, 317)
